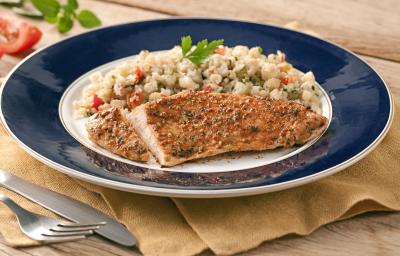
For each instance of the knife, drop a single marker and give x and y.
(69, 208)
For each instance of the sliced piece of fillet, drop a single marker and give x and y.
(110, 130)
(192, 125)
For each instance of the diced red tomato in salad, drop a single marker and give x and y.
(207, 88)
(17, 37)
(139, 75)
(134, 99)
(285, 80)
(220, 50)
(1, 52)
(97, 101)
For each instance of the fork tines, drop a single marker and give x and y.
(71, 230)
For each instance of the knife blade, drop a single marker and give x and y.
(68, 208)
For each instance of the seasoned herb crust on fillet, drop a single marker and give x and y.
(110, 129)
(192, 125)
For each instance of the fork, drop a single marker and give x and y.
(46, 229)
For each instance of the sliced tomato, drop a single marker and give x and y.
(1, 52)
(139, 75)
(97, 101)
(134, 99)
(15, 38)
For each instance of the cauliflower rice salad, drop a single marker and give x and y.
(239, 69)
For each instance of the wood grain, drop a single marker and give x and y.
(369, 234)
(389, 71)
(366, 27)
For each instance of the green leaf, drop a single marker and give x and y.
(73, 4)
(64, 23)
(211, 47)
(48, 8)
(203, 50)
(260, 50)
(51, 20)
(186, 44)
(199, 48)
(88, 19)
(197, 59)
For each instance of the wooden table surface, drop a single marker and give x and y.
(369, 28)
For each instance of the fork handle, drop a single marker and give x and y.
(18, 210)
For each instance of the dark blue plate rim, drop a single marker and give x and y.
(190, 193)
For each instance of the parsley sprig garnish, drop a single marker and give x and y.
(58, 12)
(201, 51)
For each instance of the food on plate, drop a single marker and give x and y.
(110, 130)
(240, 70)
(198, 101)
(16, 37)
(192, 125)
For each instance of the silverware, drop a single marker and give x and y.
(68, 208)
(46, 229)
